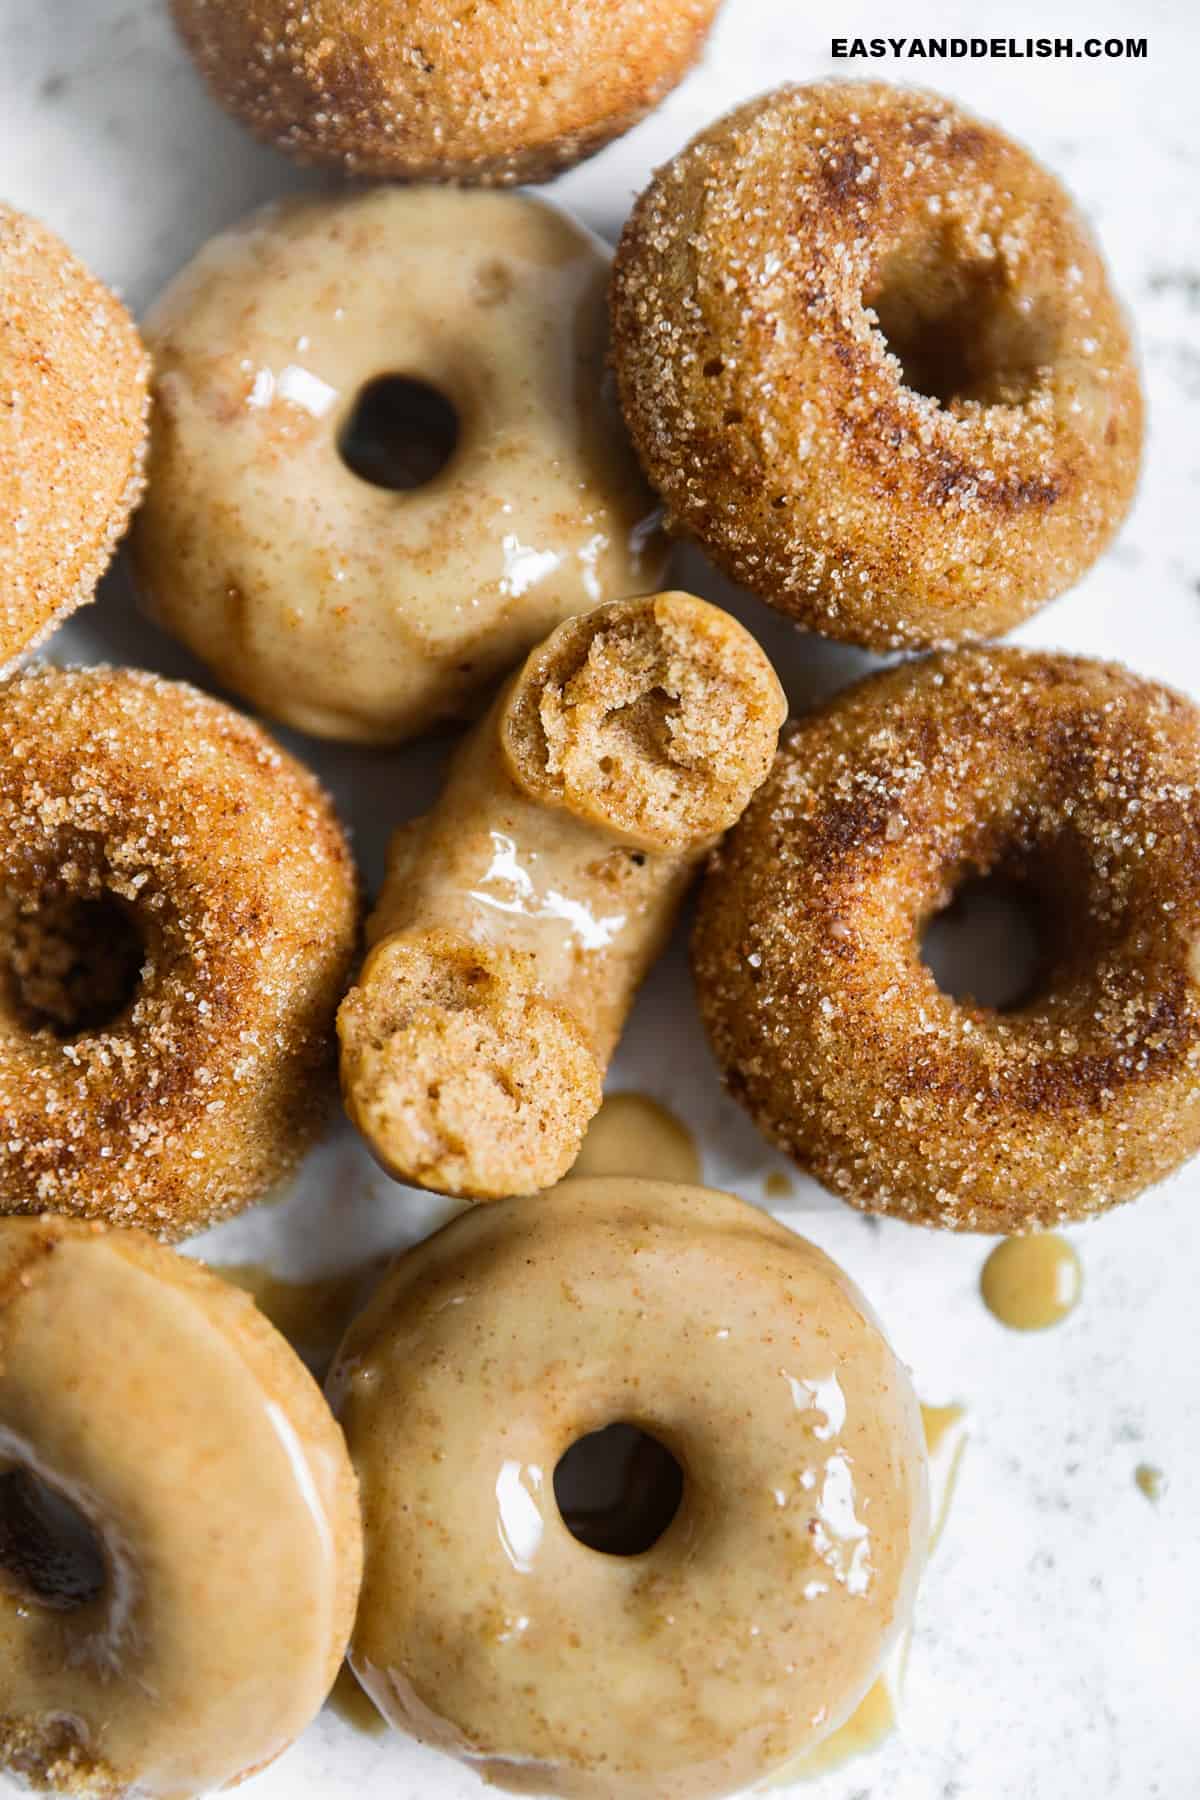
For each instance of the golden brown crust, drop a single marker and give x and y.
(752, 290)
(1075, 778)
(74, 378)
(425, 90)
(225, 860)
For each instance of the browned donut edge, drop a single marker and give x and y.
(833, 1034)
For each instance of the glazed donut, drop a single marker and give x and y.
(518, 919)
(869, 355)
(177, 918)
(180, 1544)
(758, 1619)
(73, 377)
(425, 90)
(1074, 780)
(452, 344)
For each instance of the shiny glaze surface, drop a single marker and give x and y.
(760, 1618)
(161, 1406)
(518, 917)
(633, 1134)
(1030, 1283)
(351, 610)
(878, 1714)
(501, 869)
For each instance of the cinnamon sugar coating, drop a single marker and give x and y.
(1073, 778)
(177, 918)
(73, 378)
(869, 355)
(429, 90)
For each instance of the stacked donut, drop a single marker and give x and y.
(867, 355)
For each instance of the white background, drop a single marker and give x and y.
(1057, 1653)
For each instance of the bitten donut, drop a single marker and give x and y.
(180, 1544)
(748, 1612)
(428, 90)
(870, 357)
(385, 459)
(73, 382)
(519, 917)
(177, 919)
(1072, 779)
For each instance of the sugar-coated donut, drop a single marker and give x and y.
(869, 356)
(180, 1544)
(73, 377)
(520, 916)
(758, 1619)
(429, 90)
(177, 917)
(347, 608)
(1075, 780)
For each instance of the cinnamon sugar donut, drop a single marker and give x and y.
(180, 1544)
(177, 919)
(737, 1613)
(1074, 779)
(433, 91)
(73, 381)
(869, 355)
(385, 460)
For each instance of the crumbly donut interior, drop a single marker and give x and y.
(460, 1076)
(657, 720)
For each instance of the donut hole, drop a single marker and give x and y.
(618, 1489)
(400, 433)
(50, 1555)
(71, 963)
(957, 329)
(991, 946)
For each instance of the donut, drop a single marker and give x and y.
(773, 1432)
(520, 916)
(178, 914)
(180, 1544)
(870, 358)
(426, 90)
(1073, 780)
(384, 459)
(74, 380)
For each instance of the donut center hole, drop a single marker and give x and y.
(73, 964)
(618, 1489)
(50, 1555)
(958, 330)
(988, 946)
(400, 433)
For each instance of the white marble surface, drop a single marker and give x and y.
(1058, 1640)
